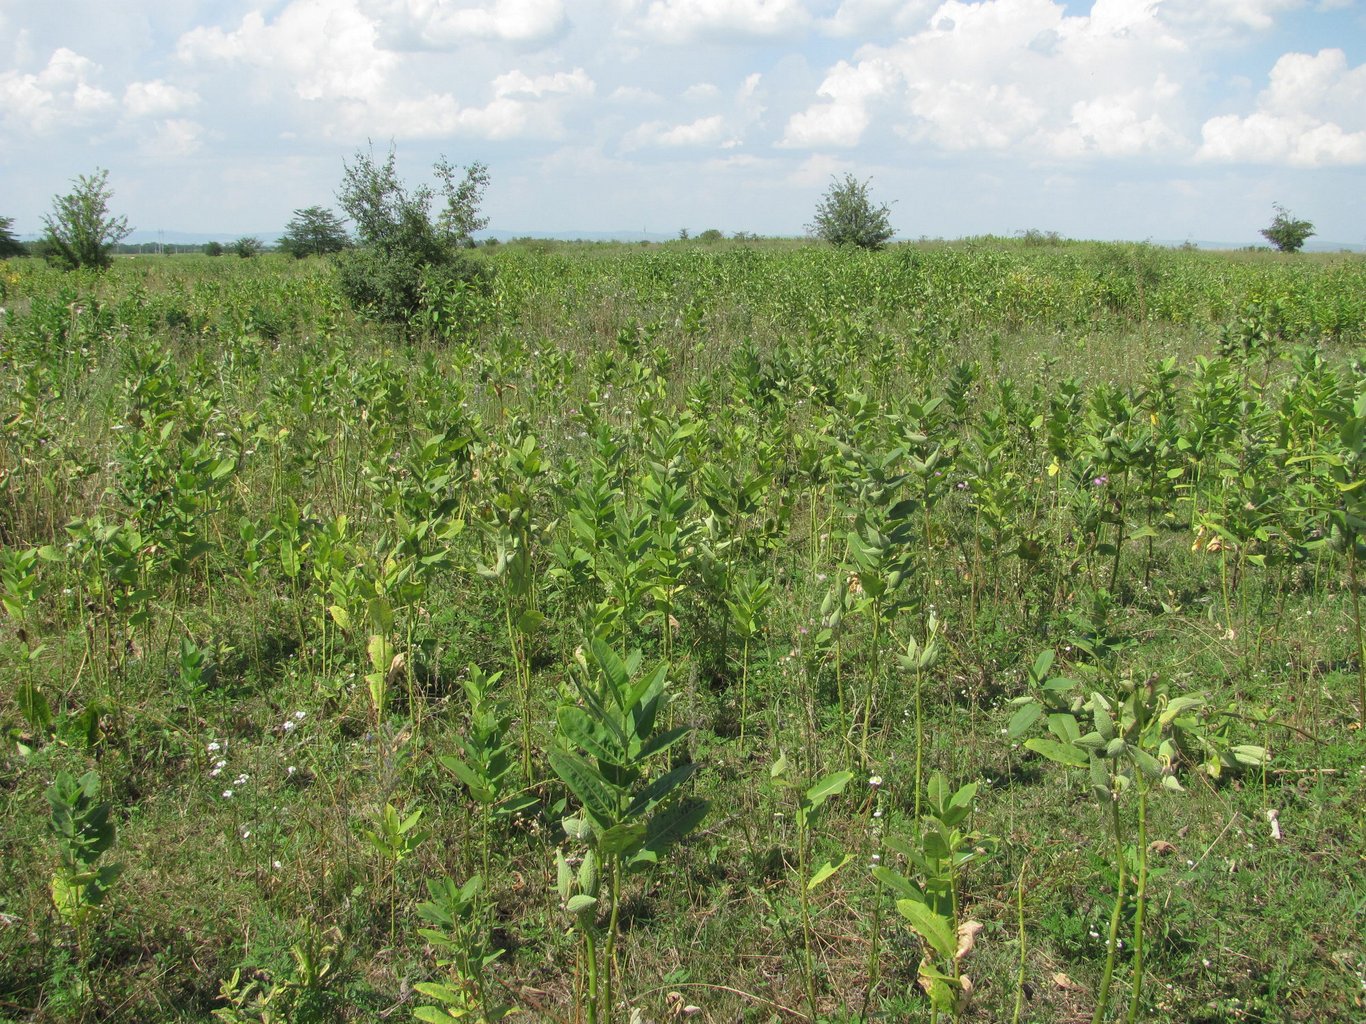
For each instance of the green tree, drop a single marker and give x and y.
(213, 249)
(403, 252)
(247, 247)
(9, 245)
(80, 230)
(846, 216)
(314, 231)
(1286, 233)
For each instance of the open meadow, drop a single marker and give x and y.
(730, 633)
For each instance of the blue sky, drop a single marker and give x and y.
(1138, 119)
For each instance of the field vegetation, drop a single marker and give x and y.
(724, 632)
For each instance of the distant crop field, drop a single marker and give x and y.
(729, 632)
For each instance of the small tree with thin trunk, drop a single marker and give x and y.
(846, 216)
(80, 230)
(314, 231)
(1286, 233)
(9, 245)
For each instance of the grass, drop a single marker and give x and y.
(184, 397)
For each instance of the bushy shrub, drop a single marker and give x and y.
(400, 244)
(846, 216)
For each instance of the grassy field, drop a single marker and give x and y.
(720, 633)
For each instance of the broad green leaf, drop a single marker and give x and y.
(1023, 720)
(933, 928)
(381, 652)
(667, 827)
(1061, 752)
(1063, 726)
(1178, 707)
(661, 742)
(1249, 755)
(579, 729)
(1042, 663)
(598, 799)
(647, 799)
(898, 883)
(620, 838)
(434, 1015)
(529, 621)
(826, 870)
(827, 787)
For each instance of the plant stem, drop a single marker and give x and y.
(1113, 940)
(1356, 616)
(1139, 892)
(591, 954)
(1020, 920)
(809, 970)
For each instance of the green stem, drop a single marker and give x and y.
(1139, 892)
(1356, 616)
(1020, 921)
(591, 955)
(919, 740)
(610, 944)
(744, 692)
(809, 968)
(1112, 941)
(872, 684)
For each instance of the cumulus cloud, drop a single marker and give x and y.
(156, 98)
(522, 106)
(1210, 19)
(722, 130)
(518, 83)
(865, 17)
(1011, 74)
(685, 21)
(176, 137)
(841, 121)
(61, 95)
(333, 54)
(439, 24)
(633, 94)
(327, 51)
(1312, 114)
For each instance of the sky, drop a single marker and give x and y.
(1162, 120)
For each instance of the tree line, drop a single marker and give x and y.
(408, 243)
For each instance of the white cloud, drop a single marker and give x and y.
(1211, 19)
(843, 120)
(999, 75)
(704, 131)
(59, 96)
(1312, 114)
(438, 24)
(816, 169)
(867, 17)
(684, 21)
(325, 50)
(156, 98)
(724, 130)
(701, 91)
(518, 83)
(633, 94)
(332, 54)
(176, 137)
